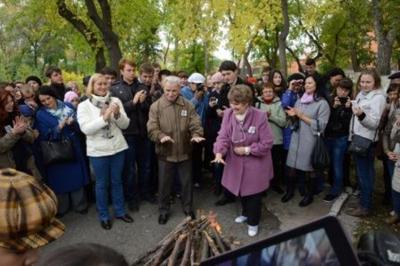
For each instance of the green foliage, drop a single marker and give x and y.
(192, 59)
(184, 34)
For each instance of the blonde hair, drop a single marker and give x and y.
(25, 89)
(95, 77)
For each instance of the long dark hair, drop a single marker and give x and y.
(4, 115)
(271, 79)
(318, 94)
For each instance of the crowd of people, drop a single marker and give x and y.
(128, 138)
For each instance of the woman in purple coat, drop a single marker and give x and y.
(245, 141)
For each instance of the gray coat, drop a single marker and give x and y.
(303, 139)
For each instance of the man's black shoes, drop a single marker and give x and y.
(163, 218)
(106, 224)
(126, 218)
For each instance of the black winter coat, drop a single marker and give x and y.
(138, 113)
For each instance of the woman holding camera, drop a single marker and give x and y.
(102, 118)
(311, 112)
(336, 134)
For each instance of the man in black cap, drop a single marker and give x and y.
(34, 82)
(395, 78)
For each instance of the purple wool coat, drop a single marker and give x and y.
(248, 174)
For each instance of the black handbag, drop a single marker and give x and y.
(57, 151)
(320, 156)
(360, 145)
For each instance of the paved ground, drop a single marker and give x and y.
(132, 240)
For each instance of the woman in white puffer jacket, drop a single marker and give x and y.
(102, 118)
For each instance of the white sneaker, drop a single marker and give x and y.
(392, 213)
(253, 230)
(240, 219)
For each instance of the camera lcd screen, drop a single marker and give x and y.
(310, 249)
(322, 242)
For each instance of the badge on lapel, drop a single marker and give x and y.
(252, 130)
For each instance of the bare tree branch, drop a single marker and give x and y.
(85, 31)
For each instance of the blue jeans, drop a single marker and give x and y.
(396, 201)
(366, 175)
(390, 168)
(337, 149)
(106, 169)
(138, 154)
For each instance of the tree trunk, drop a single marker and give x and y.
(384, 57)
(35, 47)
(244, 65)
(295, 56)
(385, 41)
(282, 38)
(355, 63)
(176, 56)
(104, 24)
(206, 58)
(85, 31)
(166, 52)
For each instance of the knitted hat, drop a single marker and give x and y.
(27, 211)
(69, 96)
(217, 78)
(196, 78)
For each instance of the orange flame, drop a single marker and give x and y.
(212, 218)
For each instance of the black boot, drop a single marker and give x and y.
(308, 197)
(289, 190)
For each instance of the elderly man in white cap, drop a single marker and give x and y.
(197, 94)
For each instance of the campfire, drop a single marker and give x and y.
(191, 242)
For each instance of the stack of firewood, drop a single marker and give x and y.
(191, 242)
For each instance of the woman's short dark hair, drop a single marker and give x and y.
(47, 90)
(346, 84)
(83, 254)
(240, 94)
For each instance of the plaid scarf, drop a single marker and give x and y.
(102, 103)
(62, 112)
